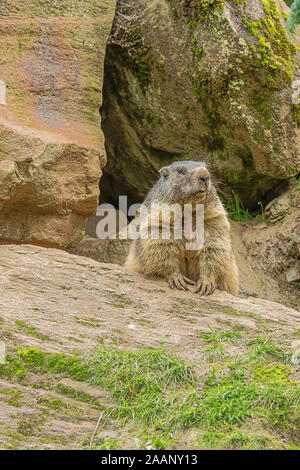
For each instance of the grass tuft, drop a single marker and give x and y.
(236, 210)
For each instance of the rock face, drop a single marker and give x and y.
(269, 252)
(205, 80)
(66, 303)
(105, 251)
(51, 145)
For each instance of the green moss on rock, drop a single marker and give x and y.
(200, 10)
(139, 58)
(296, 114)
(276, 54)
(215, 95)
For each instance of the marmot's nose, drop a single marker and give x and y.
(201, 174)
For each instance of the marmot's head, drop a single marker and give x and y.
(185, 181)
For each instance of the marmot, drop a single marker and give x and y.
(211, 267)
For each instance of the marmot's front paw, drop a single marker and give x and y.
(179, 281)
(204, 287)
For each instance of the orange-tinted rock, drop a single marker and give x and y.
(51, 144)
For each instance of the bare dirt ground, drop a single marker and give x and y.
(58, 302)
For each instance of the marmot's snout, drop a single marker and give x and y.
(200, 178)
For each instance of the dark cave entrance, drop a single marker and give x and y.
(133, 159)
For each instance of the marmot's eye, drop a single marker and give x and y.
(180, 171)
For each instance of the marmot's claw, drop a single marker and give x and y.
(204, 287)
(179, 281)
(189, 281)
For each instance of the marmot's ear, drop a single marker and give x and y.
(164, 172)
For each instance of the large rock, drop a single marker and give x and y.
(51, 144)
(268, 252)
(105, 251)
(201, 79)
(72, 305)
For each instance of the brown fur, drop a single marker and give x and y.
(211, 267)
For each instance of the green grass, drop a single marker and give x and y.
(262, 210)
(296, 180)
(158, 395)
(236, 210)
(77, 394)
(13, 396)
(242, 440)
(108, 444)
(52, 403)
(216, 339)
(31, 330)
(215, 336)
